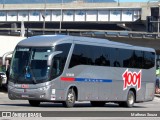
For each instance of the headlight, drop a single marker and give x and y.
(44, 88)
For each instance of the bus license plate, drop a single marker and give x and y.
(25, 96)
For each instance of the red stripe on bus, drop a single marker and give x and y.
(67, 79)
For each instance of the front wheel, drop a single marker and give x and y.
(34, 103)
(70, 100)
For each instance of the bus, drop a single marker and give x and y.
(66, 69)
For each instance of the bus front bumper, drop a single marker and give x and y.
(42, 93)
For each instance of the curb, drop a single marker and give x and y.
(1, 93)
(157, 95)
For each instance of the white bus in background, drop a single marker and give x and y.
(61, 68)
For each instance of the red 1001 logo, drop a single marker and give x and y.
(132, 78)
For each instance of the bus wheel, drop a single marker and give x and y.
(71, 98)
(130, 99)
(98, 103)
(34, 103)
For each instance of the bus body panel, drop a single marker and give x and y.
(93, 83)
(108, 91)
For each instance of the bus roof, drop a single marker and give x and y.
(51, 40)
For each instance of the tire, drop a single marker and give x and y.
(98, 103)
(34, 103)
(130, 99)
(70, 100)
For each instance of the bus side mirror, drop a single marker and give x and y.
(4, 57)
(49, 62)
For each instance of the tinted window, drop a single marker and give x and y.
(114, 57)
(139, 59)
(99, 58)
(59, 60)
(127, 57)
(106, 56)
(149, 59)
(82, 55)
(90, 55)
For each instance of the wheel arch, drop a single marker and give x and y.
(134, 91)
(74, 87)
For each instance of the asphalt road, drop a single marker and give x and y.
(81, 110)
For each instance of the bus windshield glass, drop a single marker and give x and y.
(29, 65)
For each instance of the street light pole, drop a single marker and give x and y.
(118, 2)
(3, 3)
(44, 16)
(60, 23)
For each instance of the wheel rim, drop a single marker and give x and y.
(70, 98)
(130, 99)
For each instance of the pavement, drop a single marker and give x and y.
(81, 109)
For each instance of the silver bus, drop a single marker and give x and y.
(65, 69)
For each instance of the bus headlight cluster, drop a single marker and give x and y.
(44, 88)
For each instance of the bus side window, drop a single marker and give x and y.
(56, 67)
(114, 57)
(139, 59)
(148, 60)
(116, 64)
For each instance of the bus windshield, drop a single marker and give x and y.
(29, 65)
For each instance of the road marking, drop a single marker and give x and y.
(2, 93)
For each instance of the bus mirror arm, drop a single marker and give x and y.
(4, 57)
(49, 62)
